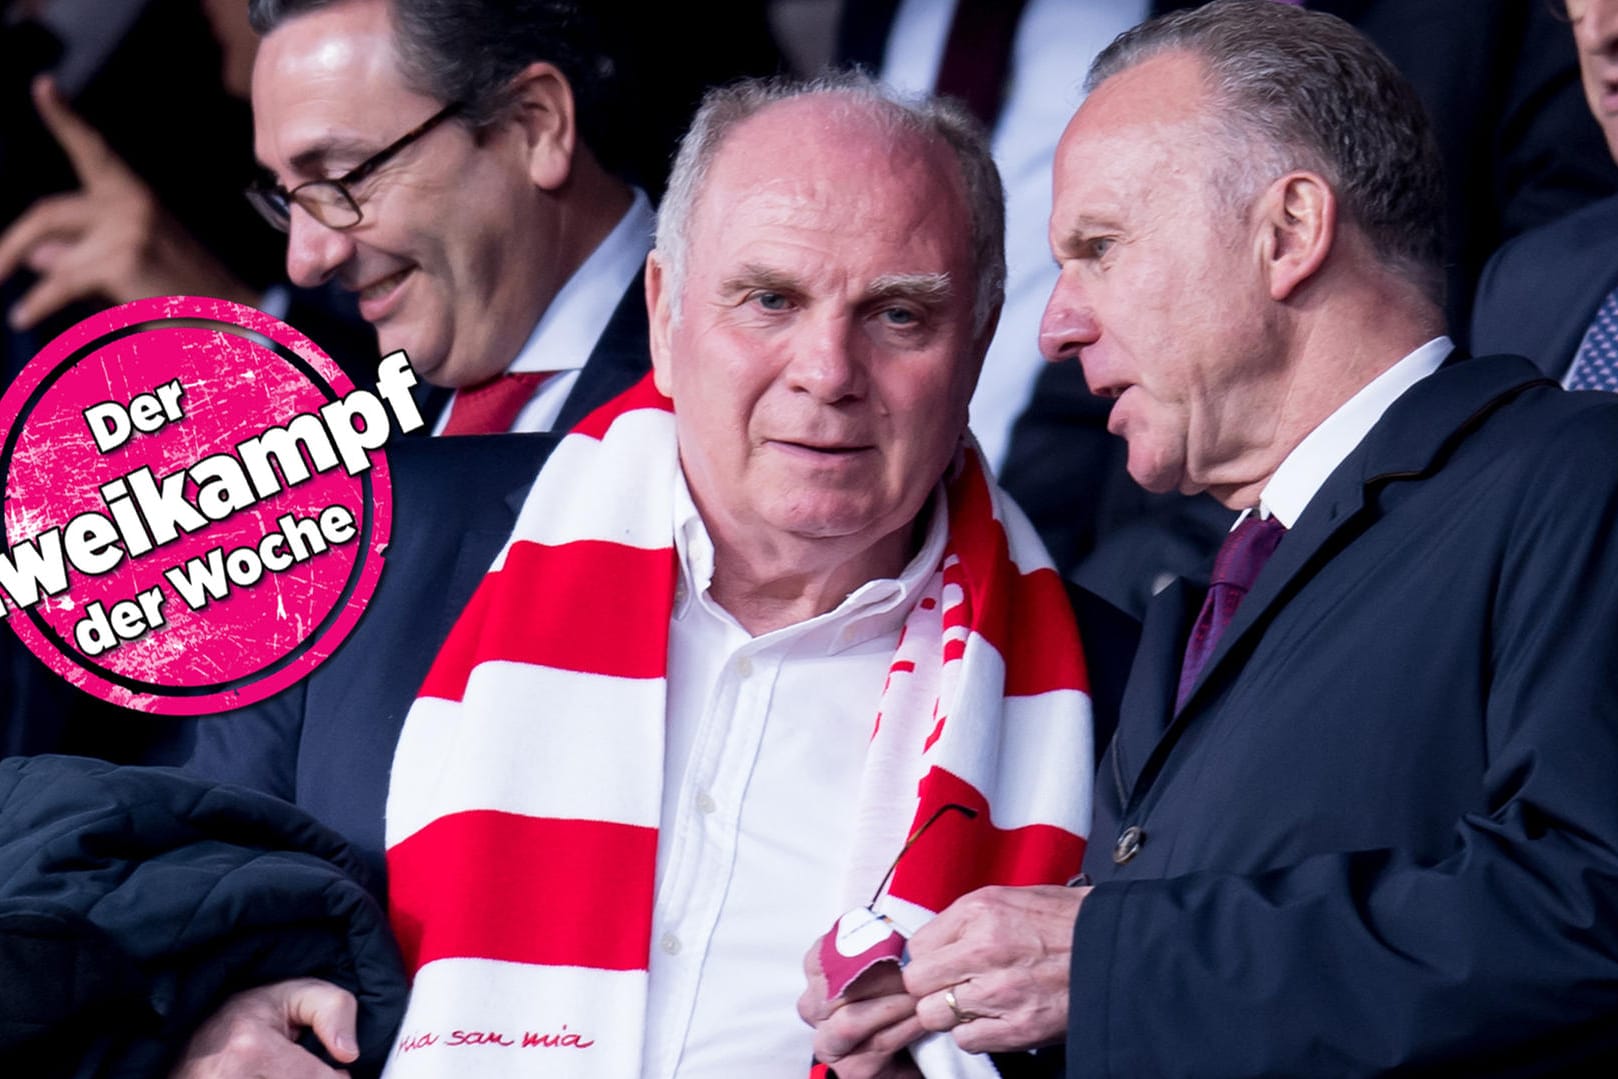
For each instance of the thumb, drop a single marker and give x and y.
(92, 159)
(330, 1011)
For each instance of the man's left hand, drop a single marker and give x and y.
(864, 1032)
(1004, 954)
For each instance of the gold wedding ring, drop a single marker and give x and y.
(961, 1015)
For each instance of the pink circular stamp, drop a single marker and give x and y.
(196, 504)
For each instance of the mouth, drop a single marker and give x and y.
(819, 449)
(376, 299)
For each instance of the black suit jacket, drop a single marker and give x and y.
(1540, 293)
(327, 742)
(1382, 833)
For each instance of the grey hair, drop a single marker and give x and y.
(931, 118)
(470, 50)
(1303, 89)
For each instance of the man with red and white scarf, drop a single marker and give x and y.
(758, 621)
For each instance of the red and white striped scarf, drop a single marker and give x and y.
(526, 790)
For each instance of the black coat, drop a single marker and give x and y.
(133, 901)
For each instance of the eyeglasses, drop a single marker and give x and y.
(330, 201)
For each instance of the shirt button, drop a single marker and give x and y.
(705, 802)
(1129, 844)
(744, 667)
(671, 944)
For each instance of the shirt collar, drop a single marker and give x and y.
(570, 327)
(1305, 470)
(877, 607)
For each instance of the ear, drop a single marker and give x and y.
(660, 314)
(542, 103)
(1298, 226)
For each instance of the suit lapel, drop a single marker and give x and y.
(1148, 702)
(1587, 274)
(620, 358)
(1410, 441)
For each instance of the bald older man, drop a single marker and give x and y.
(763, 625)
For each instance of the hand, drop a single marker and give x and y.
(110, 239)
(251, 1036)
(862, 1033)
(1004, 953)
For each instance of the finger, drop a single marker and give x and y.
(48, 254)
(872, 1055)
(92, 159)
(881, 980)
(61, 286)
(58, 216)
(934, 1013)
(330, 1011)
(853, 1025)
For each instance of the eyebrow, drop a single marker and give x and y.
(1083, 229)
(928, 289)
(931, 290)
(754, 275)
(313, 160)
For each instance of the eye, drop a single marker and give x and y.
(771, 301)
(1098, 246)
(900, 316)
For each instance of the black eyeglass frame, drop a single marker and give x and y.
(274, 202)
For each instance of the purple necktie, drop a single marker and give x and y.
(1236, 567)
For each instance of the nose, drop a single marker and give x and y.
(1069, 323)
(314, 251)
(827, 360)
(1595, 25)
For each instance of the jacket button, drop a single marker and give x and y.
(1129, 842)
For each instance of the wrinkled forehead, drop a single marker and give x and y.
(827, 164)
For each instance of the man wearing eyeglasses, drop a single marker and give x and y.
(431, 158)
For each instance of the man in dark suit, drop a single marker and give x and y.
(1499, 81)
(1358, 816)
(435, 160)
(1542, 293)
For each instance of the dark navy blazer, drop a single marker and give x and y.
(1383, 831)
(1539, 293)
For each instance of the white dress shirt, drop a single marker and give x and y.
(1053, 47)
(567, 332)
(1306, 468)
(765, 745)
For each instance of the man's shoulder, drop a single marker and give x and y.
(1539, 292)
(1502, 419)
(1590, 228)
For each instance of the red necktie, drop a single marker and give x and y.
(1236, 567)
(489, 407)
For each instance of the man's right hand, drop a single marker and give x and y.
(252, 1035)
(110, 240)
